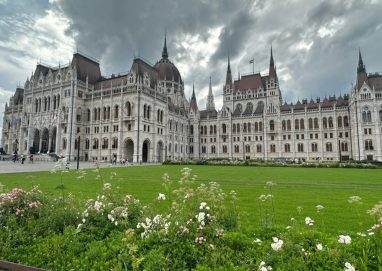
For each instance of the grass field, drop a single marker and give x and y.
(305, 187)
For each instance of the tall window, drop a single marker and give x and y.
(314, 147)
(344, 146)
(339, 122)
(316, 123)
(329, 147)
(247, 148)
(296, 124)
(366, 115)
(300, 147)
(273, 148)
(324, 123)
(369, 145)
(283, 125)
(310, 123)
(289, 125)
(302, 125)
(287, 147)
(271, 125)
(258, 148)
(330, 122)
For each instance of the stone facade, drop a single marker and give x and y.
(144, 116)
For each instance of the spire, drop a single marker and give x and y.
(164, 51)
(361, 71)
(272, 68)
(361, 66)
(193, 103)
(272, 63)
(210, 99)
(228, 77)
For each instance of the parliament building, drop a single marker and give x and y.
(144, 116)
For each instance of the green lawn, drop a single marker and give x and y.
(305, 187)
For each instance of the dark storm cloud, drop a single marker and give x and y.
(315, 43)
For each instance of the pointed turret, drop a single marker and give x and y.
(193, 103)
(361, 71)
(228, 78)
(272, 68)
(210, 99)
(361, 66)
(164, 51)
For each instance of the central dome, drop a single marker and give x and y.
(166, 69)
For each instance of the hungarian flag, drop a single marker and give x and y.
(252, 61)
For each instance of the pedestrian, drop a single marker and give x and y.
(22, 159)
(31, 158)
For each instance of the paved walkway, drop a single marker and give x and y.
(10, 167)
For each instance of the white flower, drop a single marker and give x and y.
(83, 220)
(288, 227)
(319, 207)
(201, 216)
(161, 197)
(202, 205)
(257, 241)
(263, 267)
(107, 186)
(349, 267)
(319, 247)
(355, 199)
(309, 221)
(110, 217)
(116, 223)
(344, 239)
(277, 243)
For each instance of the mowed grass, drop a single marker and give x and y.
(305, 187)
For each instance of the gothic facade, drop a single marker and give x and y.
(144, 116)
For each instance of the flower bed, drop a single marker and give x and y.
(188, 226)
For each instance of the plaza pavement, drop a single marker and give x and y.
(17, 167)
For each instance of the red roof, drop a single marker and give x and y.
(252, 81)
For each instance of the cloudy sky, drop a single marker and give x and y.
(315, 43)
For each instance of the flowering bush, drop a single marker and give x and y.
(21, 204)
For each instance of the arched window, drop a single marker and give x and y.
(256, 127)
(271, 125)
(249, 127)
(260, 126)
(224, 128)
(244, 127)
(272, 148)
(329, 147)
(300, 147)
(344, 146)
(148, 112)
(302, 124)
(116, 111)
(330, 122)
(105, 143)
(258, 148)
(128, 109)
(144, 111)
(316, 123)
(296, 124)
(88, 114)
(287, 147)
(95, 144)
(211, 129)
(283, 125)
(310, 123)
(87, 144)
(289, 125)
(366, 114)
(324, 123)
(114, 143)
(314, 147)
(346, 121)
(339, 122)
(380, 115)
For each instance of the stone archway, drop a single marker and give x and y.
(160, 151)
(36, 141)
(128, 150)
(145, 151)
(52, 147)
(44, 140)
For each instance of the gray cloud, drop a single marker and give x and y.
(315, 44)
